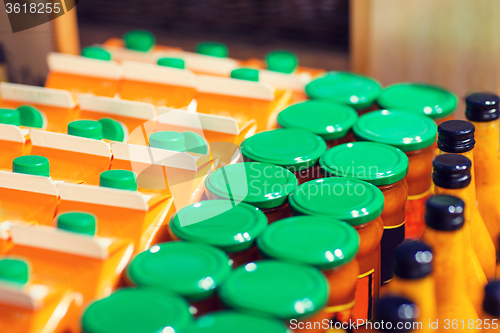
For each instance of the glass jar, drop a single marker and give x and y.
(272, 288)
(360, 204)
(233, 229)
(433, 101)
(294, 149)
(385, 167)
(351, 89)
(192, 270)
(134, 310)
(330, 120)
(326, 243)
(262, 185)
(232, 321)
(415, 135)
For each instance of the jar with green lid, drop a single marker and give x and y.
(415, 134)
(232, 229)
(330, 120)
(294, 149)
(134, 310)
(355, 90)
(323, 242)
(265, 186)
(433, 101)
(360, 204)
(233, 321)
(385, 167)
(271, 288)
(192, 270)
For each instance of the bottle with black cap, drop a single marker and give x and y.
(413, 279)
(491, 307)
(452, 176)
(444, 218)
(457, 137)
(483, 110)
(396, 314)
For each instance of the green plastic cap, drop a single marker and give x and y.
(347, 88)
(139, 40)
(219, 223)
(10, 117)
(32, 165)
(212, 49)
(261, 185)
(172, 62)
(96, 52)
(232, 321)
(119, 179)
(137, 310)
(195, 143)
(90, 129)
(350, 200)
(192, 270)
(319, 241)
(276, 288)
(112, 130)
(248, 74)
(327, 119)
(31, 116)
(433, 101)
(293, 149)
(14, 270)
(282, 61)
(373, 162)
(82, 223)
(168, 140)
(405, 130)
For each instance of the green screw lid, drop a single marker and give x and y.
(259, 184)
(282, 61)
(134, 310)
(119, 179)
(167, 140)
(293, 149)
(350, 200)
(232, 321)
(31, 117)
(172, 62)
(327, 119)
(248, 74)
(348, 88)
(82, 223)
(373, 162)
(195, 143)
(212, 49)
(10, 117)
(32, 165)
(434, 101)
(319, 241)
(192, 270)
(14, 270)
(96, 52)
(139, 40)
(405, 130)
(276, 288)
(112, 130)
(90, 129)
(219, 223)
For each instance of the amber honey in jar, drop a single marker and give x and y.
(233, 229)
(385, 167)
(294, 149)
(360, 204)
(330, 120)
(415, 135)
(262, 185)
(326, 243)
